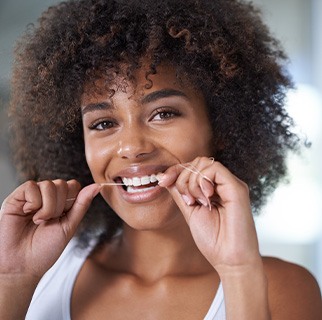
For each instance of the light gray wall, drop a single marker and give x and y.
(291, 22)
(14, 17)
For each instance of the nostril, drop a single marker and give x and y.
(133, 147)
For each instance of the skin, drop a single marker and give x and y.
(179, 240)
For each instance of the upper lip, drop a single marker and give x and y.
(140, 171)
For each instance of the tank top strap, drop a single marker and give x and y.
(217, 308)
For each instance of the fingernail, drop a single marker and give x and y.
(209, 180)
(27, 211)
(207, 193)
(186, 199)
(160, 177)
(96, 191)
(203, 202)
(39, 221)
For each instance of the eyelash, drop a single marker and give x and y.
(106, 124)
(164, 113)
(168, 113)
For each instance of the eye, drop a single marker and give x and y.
(101, 125)
(163, 114)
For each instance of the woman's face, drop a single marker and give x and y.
(139, 132)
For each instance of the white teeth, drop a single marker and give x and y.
(137, 181)
(133, 190)
(145, 180)
(153, 178)
(127, 181)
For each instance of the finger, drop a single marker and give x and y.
(207, 188)
(170, 176)
(73, 189)
(181, 202)
(182, 184)
(49, 196)
(23, 200)
(194, 184)
(195, 178)
(74, 216)
(54, 198)
(227, 186)
(187, 176)
(218, 174)
(61, 196)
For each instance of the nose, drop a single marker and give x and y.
(134, 143)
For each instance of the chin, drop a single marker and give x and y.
(151, 217)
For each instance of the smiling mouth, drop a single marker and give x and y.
(138, 184)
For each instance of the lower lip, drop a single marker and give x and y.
(143, 196)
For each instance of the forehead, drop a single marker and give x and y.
(141, 83)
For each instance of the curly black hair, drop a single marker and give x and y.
(221, 47)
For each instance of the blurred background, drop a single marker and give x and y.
(290, 227)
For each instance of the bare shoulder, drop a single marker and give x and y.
(293, 291)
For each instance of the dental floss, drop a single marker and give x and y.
(196, 171)
(102, 184)
(186, 167)
(212, 159)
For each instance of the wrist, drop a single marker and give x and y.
(246, 292)
(18, 280)
(232, 271)
(16, 292)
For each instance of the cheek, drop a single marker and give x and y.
(191, 142)
(97, 157)
(89, 152)
(203, 136)
(193, 147)
(187, 145)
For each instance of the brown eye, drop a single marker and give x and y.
(165, 114)
(102, 125)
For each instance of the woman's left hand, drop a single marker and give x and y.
(216, 206)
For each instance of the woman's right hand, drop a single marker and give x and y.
(36, 223)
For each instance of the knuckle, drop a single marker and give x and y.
(74, 183)
(82, 205)
(246, 188)
(198, 159)
(44, 214)
(217, 164)
(61, 185)
(46, 184)
(243, 187)
(60, 182)
(181, 186)
(29, 184)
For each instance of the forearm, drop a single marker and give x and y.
(246, 293)
(15, 296)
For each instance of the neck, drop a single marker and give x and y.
(152, 255)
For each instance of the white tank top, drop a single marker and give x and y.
(52, 297)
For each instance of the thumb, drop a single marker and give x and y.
(74, 216)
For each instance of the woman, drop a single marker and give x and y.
(173, 113)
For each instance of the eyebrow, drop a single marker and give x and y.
(96, 106)
(151, 97)
(164, 93)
